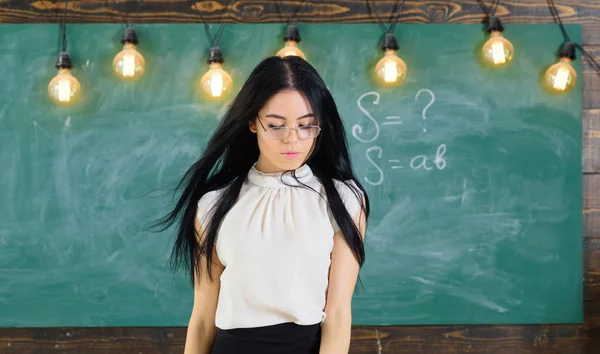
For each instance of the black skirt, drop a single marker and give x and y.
(284, 338)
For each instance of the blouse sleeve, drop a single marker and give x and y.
(350, 200)
(206, 206)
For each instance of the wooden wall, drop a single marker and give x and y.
(571, 339)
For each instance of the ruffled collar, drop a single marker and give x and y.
(273, 180)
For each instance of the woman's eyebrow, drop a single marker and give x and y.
(273, 115)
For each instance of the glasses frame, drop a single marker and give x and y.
(289, 130)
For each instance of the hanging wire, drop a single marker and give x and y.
(397, 9)
(54, 12)
(299, 11)
(558, 20)
(489, 10)
(130, 24)
(590, 57)
(214, 41)
(63, 28)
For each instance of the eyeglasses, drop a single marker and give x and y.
(282, 132)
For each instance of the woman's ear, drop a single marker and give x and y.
(252, 126)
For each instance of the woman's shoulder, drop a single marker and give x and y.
(207, 202)
(352, 196)
(347, 188)
(210, 197)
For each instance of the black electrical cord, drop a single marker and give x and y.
(557, 19)
(130, 24)
(397, 9)
(214, 40)
(493, 22)
(63, 28)
(568, 41)
(59, 44)
(590, 57)
(489, 10)
(299, 11)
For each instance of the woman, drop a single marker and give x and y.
(272, 220)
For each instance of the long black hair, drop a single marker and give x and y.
(233, 149)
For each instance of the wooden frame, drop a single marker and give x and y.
(570, 339)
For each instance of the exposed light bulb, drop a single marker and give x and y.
(291, 49)
(129, 64)
(390, 70)
(64, 89)
(216, 82)
(291, 39)
(497, 51)
(561, 77)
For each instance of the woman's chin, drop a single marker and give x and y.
(287, 163)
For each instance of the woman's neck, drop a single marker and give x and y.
(301, 176)
(266, 168)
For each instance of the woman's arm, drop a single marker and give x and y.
(343, 273)
(201, 330)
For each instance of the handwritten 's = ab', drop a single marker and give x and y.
(417, 162)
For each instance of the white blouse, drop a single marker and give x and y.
(275, 244)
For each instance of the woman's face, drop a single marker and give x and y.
(281, 146)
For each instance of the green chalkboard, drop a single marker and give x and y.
(474, 174)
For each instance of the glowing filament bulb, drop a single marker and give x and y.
(497, 51)
(129, 64)
(390, 69)
(216, 82)
(64, 89)
(291, 48)
(561, 77)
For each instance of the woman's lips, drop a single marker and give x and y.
(291, 154)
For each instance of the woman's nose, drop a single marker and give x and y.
(292, 136)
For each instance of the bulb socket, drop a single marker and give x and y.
(494, 24)
(292, 34)
(215, 56)
(130, 36)
(390, 42)
(568, 51)
(63, 61)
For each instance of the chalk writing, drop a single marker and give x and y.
(374, 154)
(377, 182)
(423, 113)
(439, 161)
(416, 163)
(357, 129)
(392, 120)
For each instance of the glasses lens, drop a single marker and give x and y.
(278, 133)
(304, 132)
(308, 132)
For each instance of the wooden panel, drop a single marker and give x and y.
(591, 142)
(591, 277)
(591, 205)
(484, 339)
(591, 78)
(569, 339)
(572, 339)
(416, 11)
